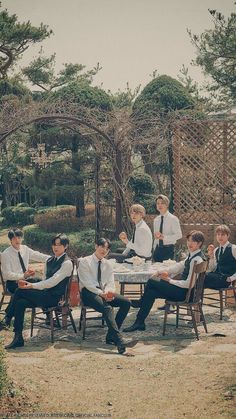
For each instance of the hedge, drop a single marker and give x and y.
(81, 243)
(18, 215)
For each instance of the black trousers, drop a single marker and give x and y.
(96, 302)
(215, 281)
(28, 298)
(163, 253)
(158, 289)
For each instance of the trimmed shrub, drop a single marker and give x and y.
(18, 215)
(62, 219)
(81, 243)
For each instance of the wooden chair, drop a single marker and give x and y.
(85, 310)
(220, 297)
(58, 315)
(5, 293)
(193, 301)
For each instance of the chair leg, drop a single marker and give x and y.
(80, 320)
(83, 322)
(33, 312)
(72, 320)
(51, 325)
(57, 319)
(221, 304)
(1, 302)
(202, 317)
(177, 317)
(122, 289)
(103, 321)
(194, 322)
(164, 322)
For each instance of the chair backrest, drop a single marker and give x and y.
(66, 297)
(2, 280)
(196, 282)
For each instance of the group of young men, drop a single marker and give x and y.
(96, 277)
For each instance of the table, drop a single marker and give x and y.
(127, 274)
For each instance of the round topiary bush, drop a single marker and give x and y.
(18, 215)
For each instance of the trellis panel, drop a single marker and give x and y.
(204, 171)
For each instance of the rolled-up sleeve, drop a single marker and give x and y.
(64, 271)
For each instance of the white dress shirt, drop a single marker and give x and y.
(142, 241)
(178, 268)
(10, 263)
(64, 271)
(213, 262)
(171, 229)
(88, 273)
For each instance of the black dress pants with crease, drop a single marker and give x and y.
(96, 302)
(28, 298)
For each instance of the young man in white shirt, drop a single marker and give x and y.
(98, 291)
(167, 287)
(166, 229)
(15, 260)
(222, 261)
(141, 242)
(46, 293)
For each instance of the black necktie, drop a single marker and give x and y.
(22, 263)
(161, 230)
(133, 237)
(221, 252)
(99, 274)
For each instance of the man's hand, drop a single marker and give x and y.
(155, 275)
(165, 276)
(29, 272)
(123, 237)
(108, 296)
(24, 284)
(158, 235)
(210, 250)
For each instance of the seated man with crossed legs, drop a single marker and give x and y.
(167, 287)
(46, 293)
(98, 291)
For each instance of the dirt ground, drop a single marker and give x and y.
(171, 377)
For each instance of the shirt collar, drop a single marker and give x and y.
(96, 259)
(57, 258)
(225, 245)
(139, 223)
(195, 252)
(16, 250)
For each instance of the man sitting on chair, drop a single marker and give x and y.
(168, 288)
(46, 293)
(222, 261)
(15, 260)
(141, 241)
(98, 291)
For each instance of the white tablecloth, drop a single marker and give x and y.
(135, 274)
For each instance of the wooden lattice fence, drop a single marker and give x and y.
(204, 171)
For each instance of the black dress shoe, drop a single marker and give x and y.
(121, 347)
(136, 303)
(135, 326)
(17, 342)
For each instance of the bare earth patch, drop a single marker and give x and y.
(171, 377)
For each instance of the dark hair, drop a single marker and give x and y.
(102, 242)
(15, 232)
(196, 236)
(63, 239)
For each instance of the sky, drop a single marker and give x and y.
(129, 38)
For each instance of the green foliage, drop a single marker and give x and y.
(84, 95)
(12, 87)
(143, 187)
(141, 183)
(216, 52)
(3, 370)
(38, 239)
(18, 215)
(163, 94)
(15, 38)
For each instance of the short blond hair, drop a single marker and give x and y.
(223, 229)
(138, 208)
(164, 198)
